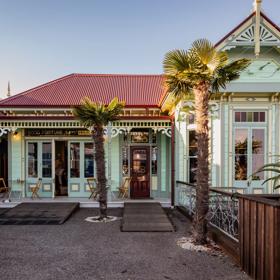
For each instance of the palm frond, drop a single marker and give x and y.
(176, 61)
(184, 69)
(93, 114)
(270, 167)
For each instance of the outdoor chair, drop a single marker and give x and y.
(4, 190)
(92, 187)
(124, 188)
(36, 188)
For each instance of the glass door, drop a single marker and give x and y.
(39, 165)
(140, 172)
(249, 156)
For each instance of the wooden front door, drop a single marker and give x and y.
(140, 172)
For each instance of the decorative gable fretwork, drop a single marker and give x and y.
(248, 36)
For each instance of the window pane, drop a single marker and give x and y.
(256, 116)
(241, 151)
(243, 116)
(125, 161)
(75, 160)
(257, 152)
(191, 118)
(140, 136)
(192, 143)
(154, 160)
(47, 160)
(88, 160)
(240, 167)
(154, 137)
(249, 116)
(32, 160)
(258, 141)
(262, 116)
(238, 116)
(193, 168)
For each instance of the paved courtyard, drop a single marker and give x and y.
(82, 250)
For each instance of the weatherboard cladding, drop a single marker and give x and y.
(135, 90)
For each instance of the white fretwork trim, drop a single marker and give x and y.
(4, 131)
(248, 36)
(214, 108)
(166, 131)
(115, 131)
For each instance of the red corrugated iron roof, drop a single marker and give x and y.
(135, 90)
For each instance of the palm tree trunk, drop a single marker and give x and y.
(98, 139)
(201, 93)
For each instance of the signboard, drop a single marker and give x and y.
(57, 132)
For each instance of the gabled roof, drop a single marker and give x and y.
(243, 33)
(135, 90)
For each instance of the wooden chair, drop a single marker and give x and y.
(124, 188)
(92, 187)
(35, 189)
(4, 190)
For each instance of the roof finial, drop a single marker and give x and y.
(257, 9)
(9, 90)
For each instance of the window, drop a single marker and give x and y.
(154, 160)
(249, 152)
(139, 135)
(89, 163)
(191, 118)
(192, 156)
(249, 117)
(125, 161)
(75, 160)
(32, 160)
(47, 160)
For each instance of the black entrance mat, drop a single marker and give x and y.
(38, 213)
(145, 217)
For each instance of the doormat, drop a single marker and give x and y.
(44, 213)
(145, 217)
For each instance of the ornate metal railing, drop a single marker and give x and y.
(223, 207)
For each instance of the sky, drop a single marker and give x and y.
(42, 40)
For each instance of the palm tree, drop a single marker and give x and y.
(196, 73)
(95, 116)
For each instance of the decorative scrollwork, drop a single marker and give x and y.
(214, 108)
(118, 130)
(4, 131)
(114, 131)
(165, 130)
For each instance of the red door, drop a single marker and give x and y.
(140, 172)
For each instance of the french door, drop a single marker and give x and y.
(249, 156)
(40, 165)
(140, 172)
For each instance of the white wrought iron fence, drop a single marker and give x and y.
(223, 207)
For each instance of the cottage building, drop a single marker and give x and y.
(40, 138)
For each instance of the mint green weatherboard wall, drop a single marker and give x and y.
(181, 150)
(15, 160)
(165, 166)
(225, 136)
